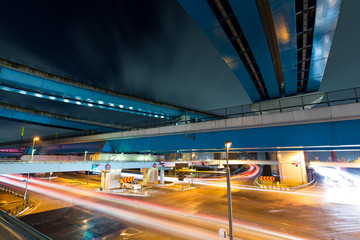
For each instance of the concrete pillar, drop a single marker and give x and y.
(292, 168)
(150, 175)
(162, 176)
(110, 179)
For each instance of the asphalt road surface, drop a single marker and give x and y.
(68, 208)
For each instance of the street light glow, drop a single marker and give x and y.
(228, 144)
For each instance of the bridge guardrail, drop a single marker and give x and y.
(331, 98)
(21, 229)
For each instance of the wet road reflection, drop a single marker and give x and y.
(199, 213)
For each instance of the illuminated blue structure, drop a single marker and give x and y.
(275, 48)
(64, 90)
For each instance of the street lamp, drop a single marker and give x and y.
(228, 186)
(32, 156)
(32, 149)
(85, 156)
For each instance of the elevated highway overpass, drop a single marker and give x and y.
(326, 128)
(16, 167)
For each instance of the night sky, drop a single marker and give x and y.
(149, 49)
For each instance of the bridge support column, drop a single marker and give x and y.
(110, 179)
(292, 168)
(150, 175)
(162, 176)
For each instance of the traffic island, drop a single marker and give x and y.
(125, 192)
(12, 201)
(178, 186)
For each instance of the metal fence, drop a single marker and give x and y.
(300, 102)
(16, 210)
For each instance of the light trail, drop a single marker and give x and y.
(185, 230)
(200, 181)
(251, 172)
(340, 186)
(176, 228)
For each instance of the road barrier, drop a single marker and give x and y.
(127, 179)
(19, 230)
(268, 178)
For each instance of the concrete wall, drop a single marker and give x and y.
(150, 175)
(124, 157)
(55, 158)
(111, 179)
(324, 114)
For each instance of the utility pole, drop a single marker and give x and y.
(228, 186)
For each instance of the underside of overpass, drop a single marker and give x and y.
(327, 128)
(275, 48)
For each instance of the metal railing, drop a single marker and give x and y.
(340, 97)
(331, 98)
(17, 229)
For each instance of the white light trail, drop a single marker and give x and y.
(186, 229)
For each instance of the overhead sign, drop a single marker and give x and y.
(127, 179)
(155, 165)
(268, 178)
(96, 167)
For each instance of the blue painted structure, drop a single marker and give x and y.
(325, 24)
(285, 27)
(24, 83)
(49, 121)
(249, 19)
(284, 19)
(76, 148)
(206, 20)
(327, 135)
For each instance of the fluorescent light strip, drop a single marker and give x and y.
(144, 112)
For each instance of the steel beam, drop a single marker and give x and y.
(50, 86)
(55, 120)
(40, 167)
